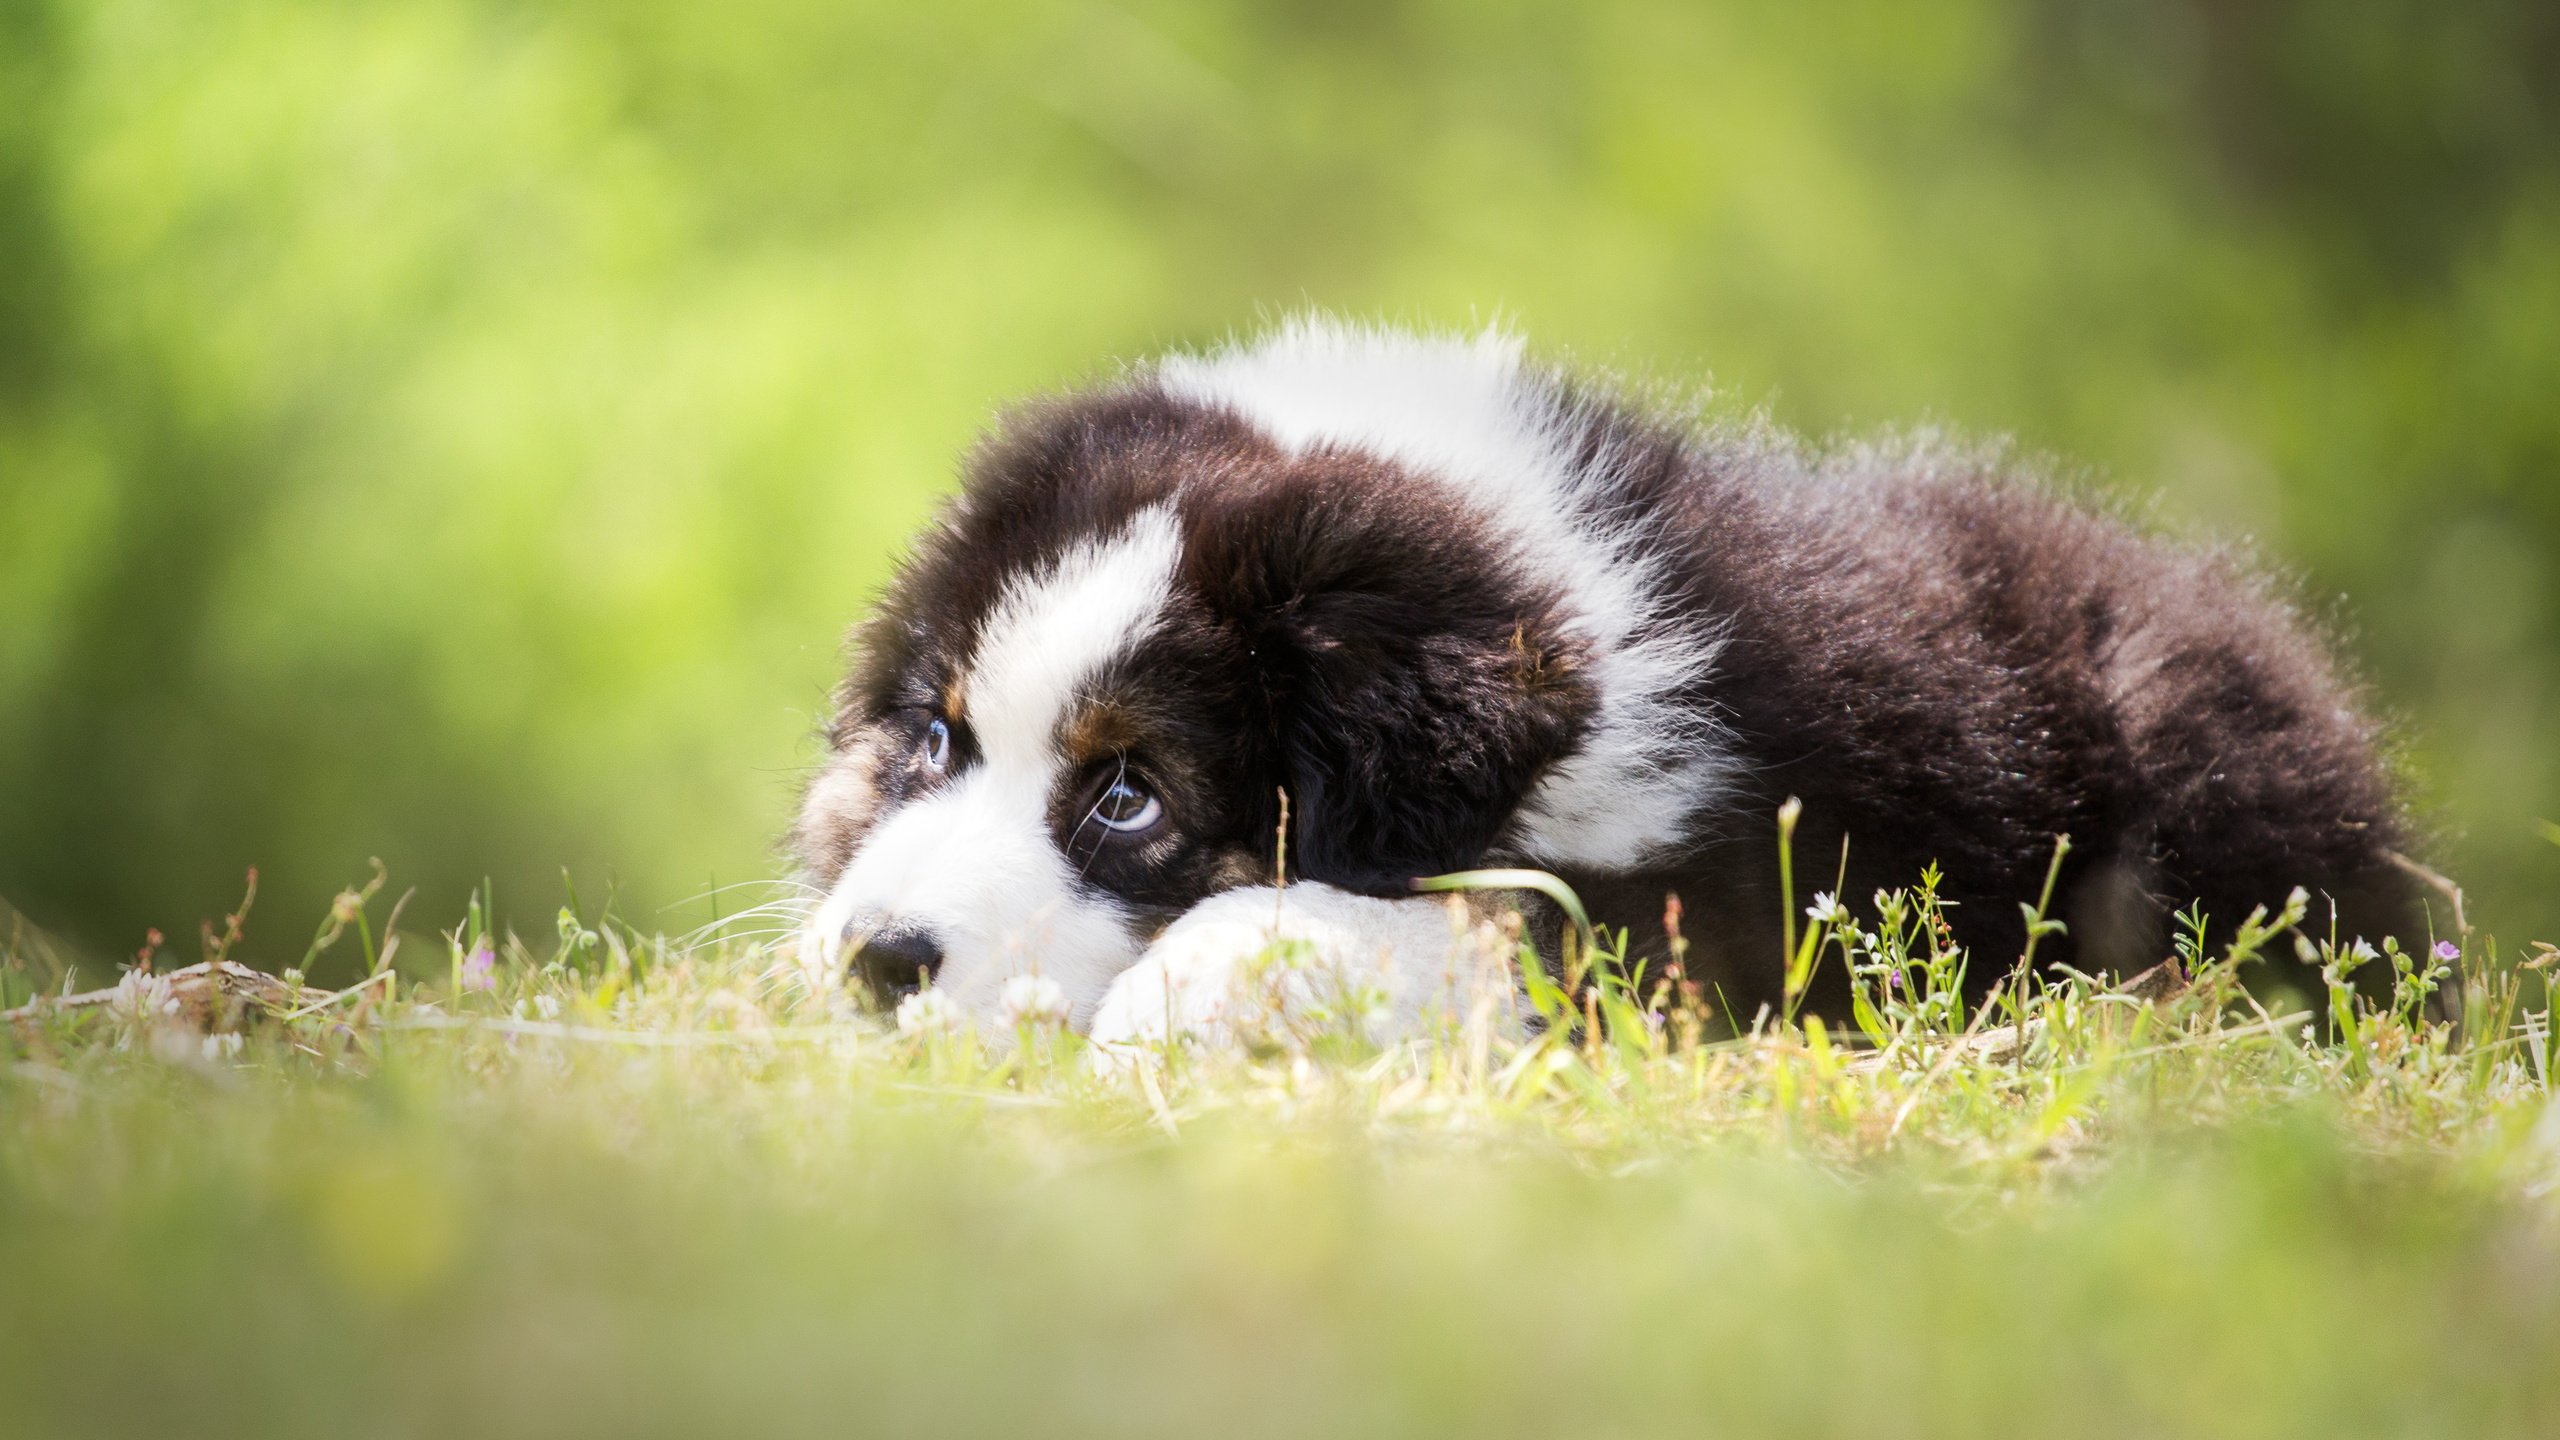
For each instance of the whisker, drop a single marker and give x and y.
(1078, 833)
(792, 909)
(778, 882)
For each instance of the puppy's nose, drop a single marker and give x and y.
(895, 964)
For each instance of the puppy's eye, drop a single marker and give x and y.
(937, 746)
(1128, 807)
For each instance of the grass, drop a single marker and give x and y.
(617, 1184)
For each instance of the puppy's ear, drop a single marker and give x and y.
(1411, 682)
(1407, 737)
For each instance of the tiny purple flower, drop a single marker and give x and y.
(479, 968)
(2448, 951)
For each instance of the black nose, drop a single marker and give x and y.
(896, 964)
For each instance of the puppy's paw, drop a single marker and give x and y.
(1258, 966)
(1187, 985)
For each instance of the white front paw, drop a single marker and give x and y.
(1259, 965)
(1173, 991)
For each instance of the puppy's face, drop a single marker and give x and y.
(1075, 711)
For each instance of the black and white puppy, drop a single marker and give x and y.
(1465, 609)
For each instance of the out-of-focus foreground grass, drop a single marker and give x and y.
(626, 1187)
(458, 430)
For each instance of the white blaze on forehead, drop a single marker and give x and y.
(1467, 412)
(1051, 633)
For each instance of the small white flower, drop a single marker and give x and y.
(143, 999)
(927, 1012)
(221, 1047)
(2362, 951)
(1033, 1000)
(1826, 909)
(547, 1006)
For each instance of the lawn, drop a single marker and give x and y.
(621, 1184)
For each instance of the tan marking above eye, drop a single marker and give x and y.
(955, 698)
(1097, 732)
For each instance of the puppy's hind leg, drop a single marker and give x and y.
(1265, 966)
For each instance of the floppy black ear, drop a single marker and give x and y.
(1410, 682)
(1408, 734)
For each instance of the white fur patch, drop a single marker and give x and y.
(1258, 962)
(1468, 413)
(1048, 637)
(976, 863)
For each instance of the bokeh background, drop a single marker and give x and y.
(458, 430)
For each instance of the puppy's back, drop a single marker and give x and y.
(1951, 662)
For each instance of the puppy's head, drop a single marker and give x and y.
(1074, 711)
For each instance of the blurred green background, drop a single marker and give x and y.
(459, 432)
